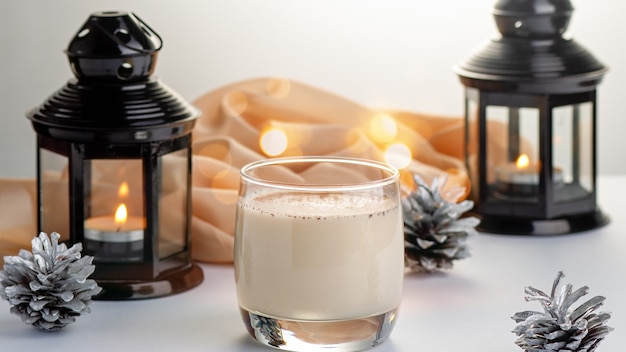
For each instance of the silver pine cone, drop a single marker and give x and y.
(561, 327)
(48, 288)
(434, 233)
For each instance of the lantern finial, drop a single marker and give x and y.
(532, 19)
(531, 55)
(114, 46)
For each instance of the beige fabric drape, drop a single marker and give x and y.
(227, 135)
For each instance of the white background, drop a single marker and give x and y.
(380, 53)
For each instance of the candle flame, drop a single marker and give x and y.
(122, 192)
(522, 161)
(273, 142)
(121, 214)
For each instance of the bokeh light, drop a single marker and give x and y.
(398, 155)
(236, 102)
(278, 88)
(273, 142)
(122, 192)
(383, 128)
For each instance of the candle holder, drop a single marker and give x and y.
(534, 91)
(114, 162)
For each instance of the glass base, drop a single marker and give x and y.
(336, 335)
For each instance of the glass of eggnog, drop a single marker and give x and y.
(319, 252)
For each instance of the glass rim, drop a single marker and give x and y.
(394, 173)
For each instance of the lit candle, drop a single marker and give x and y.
(117, 237)
(117, 228)
(521, 178)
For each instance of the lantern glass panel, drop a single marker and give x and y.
(572, 151)
(471, 137)
(54, 193)
(114, 218)
(173, 204)
(513, 171)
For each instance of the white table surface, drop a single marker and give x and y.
(466, 309)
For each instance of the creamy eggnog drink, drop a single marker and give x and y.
(320, 265)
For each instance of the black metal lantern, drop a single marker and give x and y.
(530, 116)
(114, 162)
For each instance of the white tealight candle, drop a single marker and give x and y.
(521, 178)
(115, 238)
(105, 229)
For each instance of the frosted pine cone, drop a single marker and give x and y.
(561, 327)
(48, 288)
(434, 233)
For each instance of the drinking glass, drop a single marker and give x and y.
(319, 252)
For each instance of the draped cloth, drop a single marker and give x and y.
(230, 132)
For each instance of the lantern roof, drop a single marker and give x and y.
(530, 54)
(113, 45)
(113, 56)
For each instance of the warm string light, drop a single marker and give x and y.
(273, 142)
(398, 155)
(383, 130)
